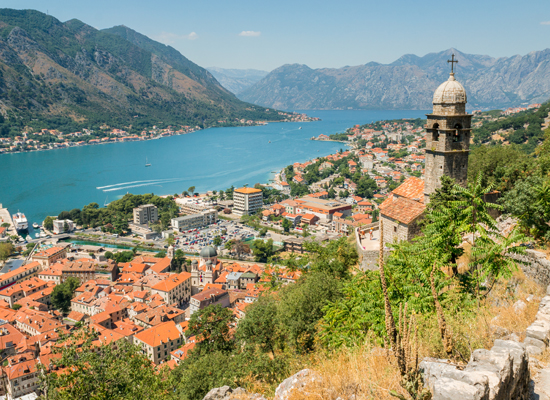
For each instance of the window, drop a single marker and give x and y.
(395, 228)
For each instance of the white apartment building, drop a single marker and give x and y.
(59, 226)
(247, 201)
(203, 218)
(145, 214)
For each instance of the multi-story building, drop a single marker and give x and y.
(62, 226)
(49, 256)
(145, 214)
(323, 209)
(159, 341)
(193, 221)
(15, 292)
(20, 274)
(174, 289)
(22, 378)
(209, 297)
(247, 201)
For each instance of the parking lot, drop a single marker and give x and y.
(193, 241)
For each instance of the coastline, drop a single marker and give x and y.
(67, 145)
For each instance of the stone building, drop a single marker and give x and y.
(447, 148)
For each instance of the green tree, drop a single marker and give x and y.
(191, 190)
(63, 293)
(259, 326)
(263, 251)
(286, 224)
(110, 371)
(335, 258)
(48, 223)
(217, 241)
(6, 250)
(331, 193)
(211, 326)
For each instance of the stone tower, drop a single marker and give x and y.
(448, 137)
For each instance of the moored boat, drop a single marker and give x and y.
(35, 225)
(20, 221)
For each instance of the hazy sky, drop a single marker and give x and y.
(320, 33)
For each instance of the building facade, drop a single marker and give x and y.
(247, 201)
(193, 221)
(145, 214)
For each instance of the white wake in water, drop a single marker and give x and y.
(123, 185)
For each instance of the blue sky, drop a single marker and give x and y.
(267, 34)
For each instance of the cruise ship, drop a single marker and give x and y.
(20, 221)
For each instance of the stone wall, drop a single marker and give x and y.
(501, 373)
(535, 265)
(368, 259)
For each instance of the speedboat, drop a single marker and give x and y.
(37, 235)
(35, 225)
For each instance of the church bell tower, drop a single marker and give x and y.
(448, 136)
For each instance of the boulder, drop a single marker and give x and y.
(226, 393)
(519, 307)
(296, 381)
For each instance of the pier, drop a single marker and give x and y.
(5, 217)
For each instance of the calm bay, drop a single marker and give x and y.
(48, 182)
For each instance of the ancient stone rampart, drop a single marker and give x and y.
(501, 373)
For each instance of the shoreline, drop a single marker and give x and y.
(144, 139)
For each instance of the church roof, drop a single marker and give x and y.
(450, 92)
(208, 252)
(412, 188)
(403, 210)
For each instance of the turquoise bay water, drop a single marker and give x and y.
(48, 182)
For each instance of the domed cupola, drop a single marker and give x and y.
(450, 92)
(208, 252)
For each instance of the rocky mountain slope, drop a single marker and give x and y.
(237, 80)
(72, 75)
(407, 83)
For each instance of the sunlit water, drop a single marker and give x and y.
(48, 182)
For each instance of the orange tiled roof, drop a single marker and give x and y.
(172, 282)
(49, 252)
(403, 210)
(412, 188)
(159, 334)
(245, 190)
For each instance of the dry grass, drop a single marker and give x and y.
(366, 372)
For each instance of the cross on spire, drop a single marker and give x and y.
(452, 61)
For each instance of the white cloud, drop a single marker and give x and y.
(250, 33)
(545, 23)
(171, 38)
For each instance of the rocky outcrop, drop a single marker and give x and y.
(226, 393)
(501, 373)
(535, 265)
(408, 83)
(295, 382)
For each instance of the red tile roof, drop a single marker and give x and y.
(412, 188)
(403, 210)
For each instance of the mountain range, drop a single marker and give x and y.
(237, 80)
(407, 83)
(71, 75)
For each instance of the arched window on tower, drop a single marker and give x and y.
(457, 136)
(435, 134)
